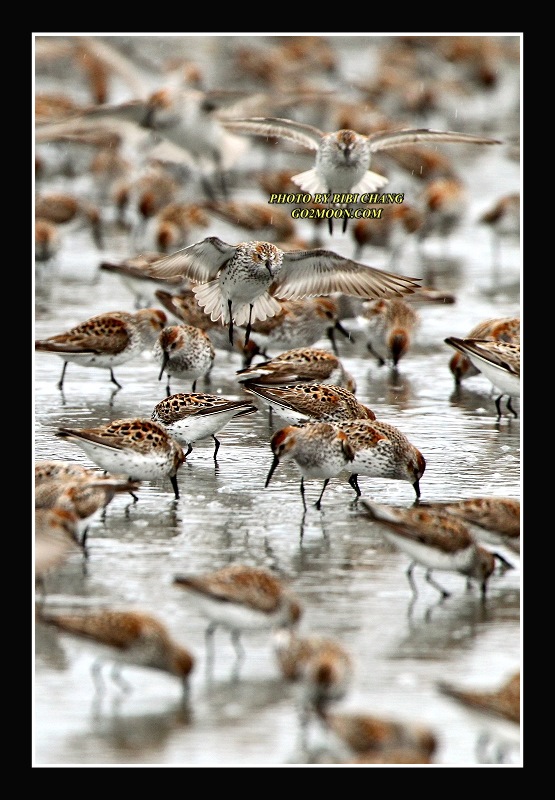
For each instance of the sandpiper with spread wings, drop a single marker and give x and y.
(343, 157)
(240, 283)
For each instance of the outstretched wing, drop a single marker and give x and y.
(199, 262)
(309, 273)
(384, 140)
(306, 135)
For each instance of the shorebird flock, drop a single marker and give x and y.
(240, 352)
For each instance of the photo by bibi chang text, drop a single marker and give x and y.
(337, 199)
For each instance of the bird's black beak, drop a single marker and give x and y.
(343, 330)
(416, 487)
(505, 565)
(165, 360)
(272, 470)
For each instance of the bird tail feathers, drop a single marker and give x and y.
(209, 297)
(310, 182)
(263, 307)
(369, 182)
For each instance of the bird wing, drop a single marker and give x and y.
(307, 135)
(85, 338)
(247, 590)
(309, 273)
(421, 525)
(111, 440)
(502, 354)
(200, 262)
(384, 140)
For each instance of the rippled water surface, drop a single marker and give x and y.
(353, 586)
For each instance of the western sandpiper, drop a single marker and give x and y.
(132, 638)
(343, 157)
(139, 448)
(499, 361)
(70, 212)
(389, 327)
(307, 402)
(190, 119)
(365, 734)
(242, 283)
(56, 540)
(105, 340)
(86, 496)
(195, 416)
(176, 225)
(502, 329)
(503, 221)
(183, 305)
(53, 469)
(184, 352)
(322, 666)
(299, 323)
(444, 202)
(496, 710)
(241, 598)
(437, 541)
(382, 451)
(303, 364)
(492, 520)
(48, 241)
(319, 450)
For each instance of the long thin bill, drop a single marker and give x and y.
(275, 462)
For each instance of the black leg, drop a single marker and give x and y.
(189, 450)
(353, 480)
(173, 479)
(510, 407)
(194, 386)
(411, 579)
(230, 322)
(319, 501)
(302, 493)
(249, 324)
(61, 381)
(498, 406)
(380, 360)
(216, 448)
(430, 580)
(113, 379)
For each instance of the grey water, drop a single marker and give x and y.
(353, 586)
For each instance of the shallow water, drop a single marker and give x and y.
(352, 584)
